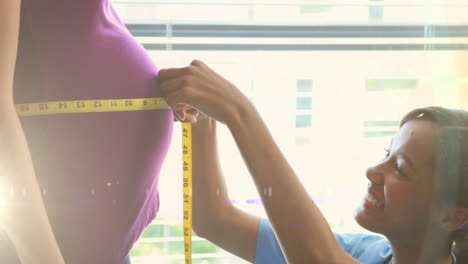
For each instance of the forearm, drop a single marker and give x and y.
(214, 217)
(210, 197)
(302, 231)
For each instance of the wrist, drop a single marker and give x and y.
(204, 127)
(240, 115)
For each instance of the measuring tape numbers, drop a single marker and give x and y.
(91, 106)
(119, 105)
(187, 189)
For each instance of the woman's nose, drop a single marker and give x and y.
(375, 174)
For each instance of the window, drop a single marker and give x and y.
(302, 140)
(304, 86)
(380, 128)
(304, 103)
(380, 123)
(391, 84)
(303, 111)
(303, 120)
(357, 68)
(379, 133)
(376, 12)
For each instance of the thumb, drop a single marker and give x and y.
(180, 115)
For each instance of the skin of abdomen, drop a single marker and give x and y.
(98, 172)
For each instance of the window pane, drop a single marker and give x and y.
(302, 140)
(394, 84)
(379, 134)
(303, 120)
(303, 103)
(304, 86)
(377, 123)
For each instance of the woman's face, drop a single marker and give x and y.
(401, 186)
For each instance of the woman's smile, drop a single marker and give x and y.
(370, 202)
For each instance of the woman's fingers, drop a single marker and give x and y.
(199, 86)
(168, 73)
(171, 73)
(181, 106)
(174, 84)
(188, 114)
(192, 115)
(177, 90)
(179, 115)
(192, 111)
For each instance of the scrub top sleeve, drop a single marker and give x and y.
(268, 250)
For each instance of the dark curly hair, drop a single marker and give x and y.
(451, 166)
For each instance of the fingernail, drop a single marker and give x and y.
(179, 117)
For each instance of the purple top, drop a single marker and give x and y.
(98, 171)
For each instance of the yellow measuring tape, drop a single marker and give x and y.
(119, 105)
(90, 106)
(187, 160)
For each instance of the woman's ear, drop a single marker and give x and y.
(455, 218)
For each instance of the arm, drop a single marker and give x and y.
(214, 218)
(301, 229)
(27, 226)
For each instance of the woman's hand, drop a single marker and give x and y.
(200, 87)
(186, 114)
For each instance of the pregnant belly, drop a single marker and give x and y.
(92, 148)
(98, 172)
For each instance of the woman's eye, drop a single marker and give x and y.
(387, 152)
(399, 170)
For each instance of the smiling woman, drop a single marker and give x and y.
(401, 186)
(450, 170)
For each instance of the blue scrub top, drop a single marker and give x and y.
(368, 249)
